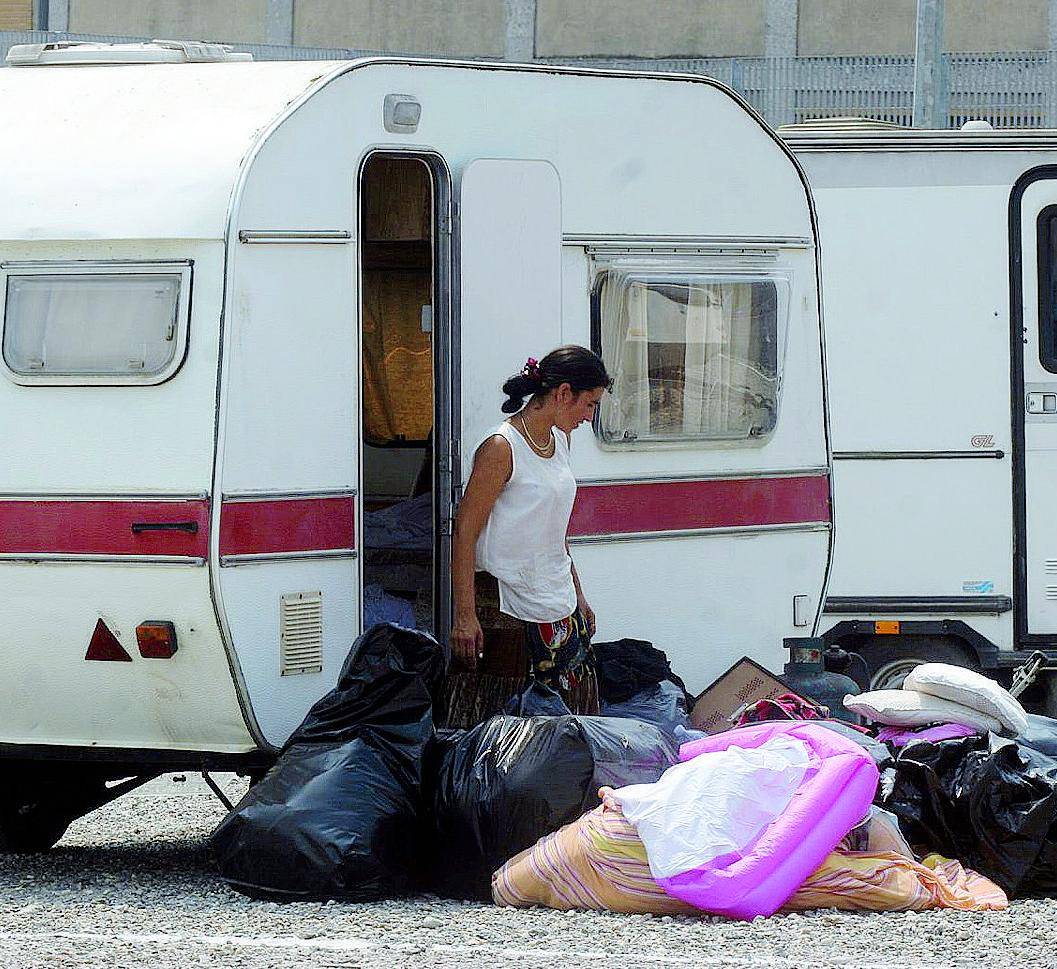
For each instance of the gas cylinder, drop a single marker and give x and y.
(805, 674)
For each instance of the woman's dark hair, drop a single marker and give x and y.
(573, 365)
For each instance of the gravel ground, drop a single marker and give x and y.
(131, 886)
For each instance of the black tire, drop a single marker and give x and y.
(891, 658)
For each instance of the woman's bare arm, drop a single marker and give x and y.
(493, 465)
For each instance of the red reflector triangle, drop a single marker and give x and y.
(104, 646)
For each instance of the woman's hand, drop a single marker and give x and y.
(587, 612)
(467, 639)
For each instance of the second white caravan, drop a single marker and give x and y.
(940, 268)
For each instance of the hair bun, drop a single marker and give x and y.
(517, 388)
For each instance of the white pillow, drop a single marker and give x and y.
(908, 708)
(970, 689)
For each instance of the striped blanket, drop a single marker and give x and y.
(598, 862)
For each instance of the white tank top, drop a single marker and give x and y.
(523, 541)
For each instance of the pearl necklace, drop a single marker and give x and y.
(539, 448)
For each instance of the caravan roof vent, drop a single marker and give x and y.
(978, 124)
(72, 52)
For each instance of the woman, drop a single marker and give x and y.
(513, 520)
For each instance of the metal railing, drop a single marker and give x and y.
(1009, 90)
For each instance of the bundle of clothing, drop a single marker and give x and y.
(752, 821)
(599, 862)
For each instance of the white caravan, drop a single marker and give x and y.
(256, 317)
(939, 252)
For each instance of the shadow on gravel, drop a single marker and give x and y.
(156, 862)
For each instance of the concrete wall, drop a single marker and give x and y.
(569, 28)
(243, 20)
(985, 25)
(472, 27)
(16, 14)
(856, 27)
(872, 27)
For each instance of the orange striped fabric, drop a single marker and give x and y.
(888, 882)
(598, 862)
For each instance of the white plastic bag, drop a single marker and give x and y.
(713, 805)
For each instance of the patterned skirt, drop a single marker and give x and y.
(556, 654)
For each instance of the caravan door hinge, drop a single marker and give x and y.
(448, 521)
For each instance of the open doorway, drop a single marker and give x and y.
(399, 401)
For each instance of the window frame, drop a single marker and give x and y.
(780, 276)
(1045, 270)
(183, 268)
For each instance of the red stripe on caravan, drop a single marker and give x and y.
(291, 525)
(619, 509)
(63, 527)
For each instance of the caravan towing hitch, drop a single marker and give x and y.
(1025, 674)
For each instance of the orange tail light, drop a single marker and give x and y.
(157, 640)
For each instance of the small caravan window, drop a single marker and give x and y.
(89, 324)
(1047, 251)
(694, 355)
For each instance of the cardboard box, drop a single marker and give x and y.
(744, 683)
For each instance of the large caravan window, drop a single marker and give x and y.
(75, 325)
(694, 355)
(1047, 250)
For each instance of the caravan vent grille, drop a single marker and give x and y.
(300, 633)
(1051, 567)
(1051, 592)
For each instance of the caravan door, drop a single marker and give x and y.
(510, 247)
(1035, 415)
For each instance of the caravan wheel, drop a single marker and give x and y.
(891, 662)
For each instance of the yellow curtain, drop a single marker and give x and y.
(397, 357)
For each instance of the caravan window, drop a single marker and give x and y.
(694, 355)
(1047, 252)
(78, 324)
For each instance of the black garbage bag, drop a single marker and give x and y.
(1041, 734)
(881, 754)
(663, 705)
(338, 814)
(988, 801)
(537, 700)
(500, 787)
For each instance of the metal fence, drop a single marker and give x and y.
(1009, 90)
